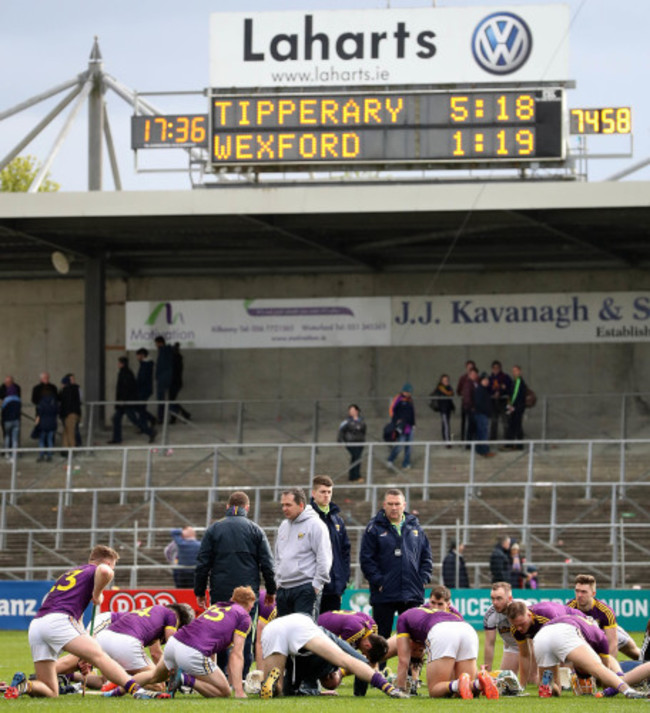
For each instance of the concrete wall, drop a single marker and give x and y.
(43, 330)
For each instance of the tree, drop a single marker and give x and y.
(18, 175)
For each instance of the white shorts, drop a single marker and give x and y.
(452, 639)
(554, 642)
(178, 655)
(125, 649)
(49, 634)
(288, 634)
(622, 636)
(102, 621)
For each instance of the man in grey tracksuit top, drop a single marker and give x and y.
(303, 556)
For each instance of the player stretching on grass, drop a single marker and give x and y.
(580, 642)
(287, 635)
(57, 628)
(452, 648)
(188, 656)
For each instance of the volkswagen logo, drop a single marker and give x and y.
(501, 43)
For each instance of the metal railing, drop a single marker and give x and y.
(556, 565)
(556, 416)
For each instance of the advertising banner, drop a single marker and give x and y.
(259, 324)
(630, 605)
(389, 47)
(442, 320)
(125, 600)
(19, 602)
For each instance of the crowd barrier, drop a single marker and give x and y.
(19, 602)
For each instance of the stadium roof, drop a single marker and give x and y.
(398, 227)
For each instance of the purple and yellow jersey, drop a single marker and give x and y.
(600, 613)
(455, 611)
(541, 613)
(351, 626)
(216, 628)
(265, 612)
(71, 593)
(418, 622)
(147, 625)
(591, 632)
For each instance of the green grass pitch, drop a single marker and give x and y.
(14, 656)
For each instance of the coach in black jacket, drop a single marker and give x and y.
(233, 551)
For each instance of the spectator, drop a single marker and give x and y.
(442, 401)
(517, 562)
(402, 414)
(233, 551)
(500, 390)
(144, 381)
(126, 390)
(8, 381)
(44, 388)
(352, 432)
(69, 410)
(500, 560)
(468, 398)
(177, 384)
(187, 549)
(329, 513)
(532, 574)
(454, 571)
(164, 374)
(482, 414)
(515, 410)
(11, 409)
(465, 416)
(396, 560)
(47, 411)
(303, 556)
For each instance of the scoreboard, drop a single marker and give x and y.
(330, 129)
(371, 128)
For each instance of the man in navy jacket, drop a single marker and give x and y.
(396, 560)
(329, 513)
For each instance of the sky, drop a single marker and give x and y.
(163, 46)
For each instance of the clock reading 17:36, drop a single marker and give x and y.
(171, 130)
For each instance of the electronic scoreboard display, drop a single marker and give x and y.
(384, 128)
(290, 131)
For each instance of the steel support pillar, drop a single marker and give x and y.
(95, 334)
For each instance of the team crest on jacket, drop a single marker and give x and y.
(415, 532)
(301, 535)
(337, 526)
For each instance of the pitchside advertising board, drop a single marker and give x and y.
(631, 606)
(19, 602)
(441, 320)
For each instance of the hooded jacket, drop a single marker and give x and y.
(303, 552)
(340, 542)
(401, 565)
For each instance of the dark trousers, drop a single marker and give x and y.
(330, 602)
(222, 656)
(467, 427)
(384, 613)
(515, 430)
(498, 414)
(134, 414)
(298, 600)
(354, 473)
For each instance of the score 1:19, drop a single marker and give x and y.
(524, 143)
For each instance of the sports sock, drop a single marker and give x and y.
(453, 686)
(131, 686)
(378, 681)
(188, 680)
